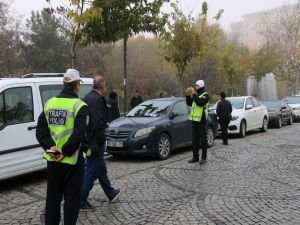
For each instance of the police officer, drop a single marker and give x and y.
(61, 131)
(198, 99)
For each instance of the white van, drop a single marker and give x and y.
(21, 102)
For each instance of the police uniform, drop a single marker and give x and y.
(198, 117)
(63, 124)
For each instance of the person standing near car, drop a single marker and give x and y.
(61, 130)
(136, 99)
(113, 106)
(198, 99)
(223, 111)
(95, 163)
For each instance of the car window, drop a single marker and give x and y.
(150, 109)
(180, 109)
(249, 102)
(256, 103)
(1, 111)
(18, 105)
(292, 100)
(237, 103)
(49, 91)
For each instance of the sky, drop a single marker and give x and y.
(233, 9)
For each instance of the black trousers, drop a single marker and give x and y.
(199, 135)
(66, 181)
(224, 128)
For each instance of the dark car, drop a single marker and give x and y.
(279, 112)
(155, 127)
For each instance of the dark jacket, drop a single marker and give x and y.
(113, 107)
(97, 119)
(199, 101)
(224, 110)
(77, 138)
(135, 101)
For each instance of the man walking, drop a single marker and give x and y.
(61, 130)
(95, 164)
(136, 99)
(198, 99)
(224, 110)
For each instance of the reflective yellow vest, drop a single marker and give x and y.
(196, 113)
(60, 114)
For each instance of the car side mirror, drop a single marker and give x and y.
(249, 107)
(173, 115)
(283, 107)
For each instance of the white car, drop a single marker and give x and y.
(294, 103)
(21, 102)
(248, 113)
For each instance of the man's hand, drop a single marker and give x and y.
(56, 157)
(60, 156)
(189, 91)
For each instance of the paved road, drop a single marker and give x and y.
(255, 180)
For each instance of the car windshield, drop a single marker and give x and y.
(272, 104)
(292, 100)
(150, 109)
(237, 103)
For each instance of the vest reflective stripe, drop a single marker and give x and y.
(60, 114)
(196, 113)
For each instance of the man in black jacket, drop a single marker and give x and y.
(113, 106)
(136, 99)
(64, 179)
(95, 164)
(224, 110)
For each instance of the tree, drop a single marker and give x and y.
(73, 18)
(9, 40)
(183, 40)
(121, 19)
(44, 47)
(234, 64)
(284, 32)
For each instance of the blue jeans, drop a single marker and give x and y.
(96, 168)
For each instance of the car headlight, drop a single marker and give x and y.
(144, 131)
(234, 118)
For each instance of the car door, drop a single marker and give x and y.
(259, 112)
(250, 113)
(284, 111)
(19, 149)
(180, 125)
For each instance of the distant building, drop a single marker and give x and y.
(250, 30)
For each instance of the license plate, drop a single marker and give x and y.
(118, 144)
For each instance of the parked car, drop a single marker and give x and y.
(294, 102)
(21, 102)
(155, 127)
(279, 112)
(248, 113)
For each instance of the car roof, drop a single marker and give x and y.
(239, 97)
(7, 81)
(166, 99)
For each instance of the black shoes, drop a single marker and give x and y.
(87, 207)
(114, 198)
(203, 161)
(193, 160)
(224, 143)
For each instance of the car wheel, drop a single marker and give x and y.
(242, 133)
(210, 136)
(290, 121)
(164, 146)
(264, 127)
(279, 122)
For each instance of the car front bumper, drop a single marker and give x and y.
(144, 145)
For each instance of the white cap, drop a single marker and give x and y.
(71, 75)
(200, 83)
